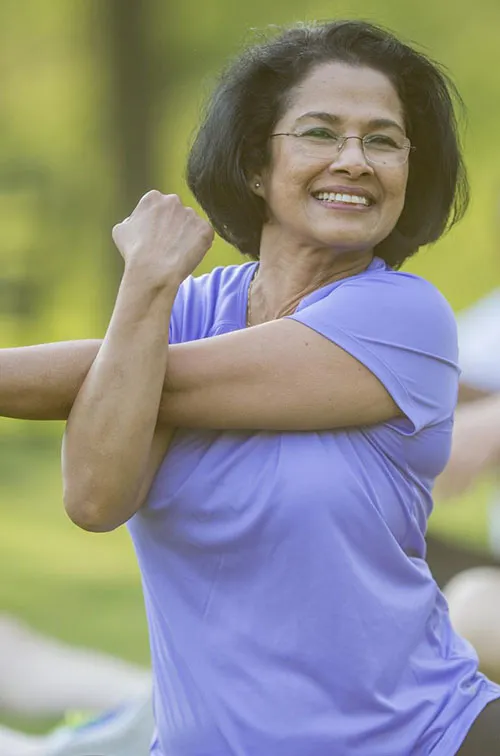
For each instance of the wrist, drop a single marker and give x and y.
(141, 278)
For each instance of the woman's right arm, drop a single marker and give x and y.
(112, 442)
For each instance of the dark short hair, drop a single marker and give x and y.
(232, 143)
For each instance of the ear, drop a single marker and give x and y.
(256, 186)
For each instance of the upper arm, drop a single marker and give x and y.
(278, 376)
(364, 354)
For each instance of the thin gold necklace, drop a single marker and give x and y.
(249, 297)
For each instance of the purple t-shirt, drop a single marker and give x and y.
(290, 609)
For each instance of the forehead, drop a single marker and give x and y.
(350, 92)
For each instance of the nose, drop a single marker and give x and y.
(351, 159)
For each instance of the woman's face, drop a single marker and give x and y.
(340, 202)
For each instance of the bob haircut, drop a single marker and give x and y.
(232, 144)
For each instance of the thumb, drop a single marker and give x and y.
(117, 231)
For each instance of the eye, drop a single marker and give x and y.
(381, 141)
(319, 133)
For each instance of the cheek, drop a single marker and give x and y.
(287, 174)
(284, 194)
(397, 192)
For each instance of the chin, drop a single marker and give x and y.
(347, 238)
(347, 243)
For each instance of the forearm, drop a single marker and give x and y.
(41, 382)
(111, 425)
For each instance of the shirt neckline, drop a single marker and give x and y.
(251, 268)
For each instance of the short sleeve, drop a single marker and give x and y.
(194, 308)
(211, 303)
(403, 330)
(177, 316)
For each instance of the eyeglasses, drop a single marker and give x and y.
(378, 149)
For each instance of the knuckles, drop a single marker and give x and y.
(115, 231)
(174, 213)
(155, 197)
(207, 232)
(150, 197)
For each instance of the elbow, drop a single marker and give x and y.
(89, 515)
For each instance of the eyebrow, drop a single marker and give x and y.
(375, 123)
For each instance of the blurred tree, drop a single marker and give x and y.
(134, 84)
(99, 98)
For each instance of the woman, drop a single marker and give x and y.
(282, 541)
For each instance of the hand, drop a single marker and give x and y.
(163, 240)
(475, 447)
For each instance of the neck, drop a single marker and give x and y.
(284, 278)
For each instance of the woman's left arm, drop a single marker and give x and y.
(281, 375)
(375, 348)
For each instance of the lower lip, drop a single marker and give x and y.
(344, 206)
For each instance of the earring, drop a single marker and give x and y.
(257, 184)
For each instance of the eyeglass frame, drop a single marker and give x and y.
(408, 147)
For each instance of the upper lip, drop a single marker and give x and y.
(355, 190)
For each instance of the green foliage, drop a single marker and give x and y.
(82, 588)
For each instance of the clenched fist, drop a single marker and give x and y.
(163, 241)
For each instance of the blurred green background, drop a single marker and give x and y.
(99, 99)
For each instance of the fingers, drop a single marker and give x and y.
(151, 199)
(154, 198)
(164, 236)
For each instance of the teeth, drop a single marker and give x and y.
(351, 199)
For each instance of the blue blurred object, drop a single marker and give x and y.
(125, 731)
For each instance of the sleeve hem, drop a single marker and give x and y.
(410, 424)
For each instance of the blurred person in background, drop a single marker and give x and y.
(281, 530)
(42, 677)
(478, 340)
(473, 594)
(475, 439)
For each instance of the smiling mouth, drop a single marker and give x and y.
(339, 199)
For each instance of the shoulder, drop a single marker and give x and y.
(405, 304)
(387, 288)
(399, 287)
(382, 303)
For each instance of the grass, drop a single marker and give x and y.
(79, 587)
